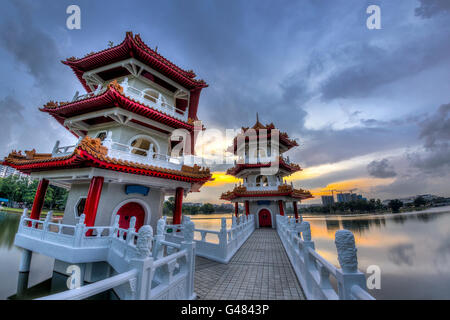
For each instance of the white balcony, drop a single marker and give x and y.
(149, 97)
(126, 152)
(256, 187)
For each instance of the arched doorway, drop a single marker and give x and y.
(129, 210)
(265, 219)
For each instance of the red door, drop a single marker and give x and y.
(265, 219)
(129, 210)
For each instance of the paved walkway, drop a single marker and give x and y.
(259, 270)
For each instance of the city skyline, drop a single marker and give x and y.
(369, 108)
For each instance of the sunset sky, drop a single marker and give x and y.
(369, 108)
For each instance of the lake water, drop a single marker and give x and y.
(411, 249)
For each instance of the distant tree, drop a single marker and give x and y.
(395, 205)
(207, 208)
(168, 207)
(419, 201)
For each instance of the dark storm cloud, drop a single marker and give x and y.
(11, 111)
(28, 44)
(328, 145)
(366, 67)
(435, 131)
(429, 8)
(381, 169)
(402, 254)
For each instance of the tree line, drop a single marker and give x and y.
(21, 191)
(206, 208)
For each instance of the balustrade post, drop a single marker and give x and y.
(47, 220)
(131, 230)
(223, 233)
(348, 260)
(22, 219)
(189, 244)
(143, 263)
(79, 231)
(160, 228)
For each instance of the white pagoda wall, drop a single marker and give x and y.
(113, 194)
(124, 134)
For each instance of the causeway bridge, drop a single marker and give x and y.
(259, 270)
(182, 262)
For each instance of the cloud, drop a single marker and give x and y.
(402, 254)
(29, 45)
(365, 67)
(435, 132)
(430, 8)
(381, 169)
(11, 111)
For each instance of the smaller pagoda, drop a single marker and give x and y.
(264, 192)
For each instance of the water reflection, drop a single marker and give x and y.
(9, 224)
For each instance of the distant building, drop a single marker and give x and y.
(344, 197)
(6, 171)
(327, 200)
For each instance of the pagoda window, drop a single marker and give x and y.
(155, 96)
(79, 207)
(101, 135)
(260, 153)
(262, 181)
(143, 146)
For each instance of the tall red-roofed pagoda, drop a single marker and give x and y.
(264, 191)
(122, 165)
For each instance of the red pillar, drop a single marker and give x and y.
(280, 205)
(92, 200)
(39, 199)
(247, 208)
(178, 205)
(236, 209)
(295, 209)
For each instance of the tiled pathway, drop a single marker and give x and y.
(259, 270)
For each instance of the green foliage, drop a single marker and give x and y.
(419, 201)
(23, 190)
(357, 206)
(395, 205)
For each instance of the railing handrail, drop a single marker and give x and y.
(89, 290)
(313, 270)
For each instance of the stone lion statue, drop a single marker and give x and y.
(144, 241)
(345, 245)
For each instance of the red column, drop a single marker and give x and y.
(236, 209)
(178, 205)
(247, 208)
(92, 200)
(39, 199)
(280, 205)
(295, 209)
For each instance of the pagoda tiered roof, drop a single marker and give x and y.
(91, 153)
(113, 96)
(258, 128)
(283, 190)
(282, 164)
(133, 47)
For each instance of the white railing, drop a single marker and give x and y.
(224, 243)
(149, 268)
(314, 272)
(98, 91)
(159, 103)
(126, 152)
(62, 151)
